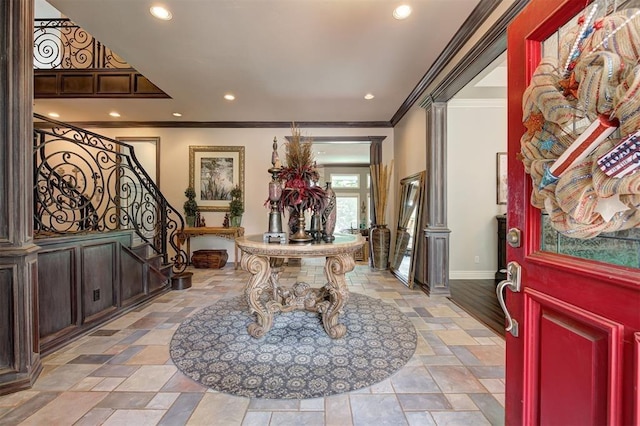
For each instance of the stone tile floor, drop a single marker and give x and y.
(122, 374)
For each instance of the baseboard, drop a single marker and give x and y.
(472, 275)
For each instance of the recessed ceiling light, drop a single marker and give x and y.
(402, 12)
(229, 97)
(369, 96)
(114, 114)
(177, 114)
(54, 115)
(161, 12)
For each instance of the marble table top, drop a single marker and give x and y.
(343, 244)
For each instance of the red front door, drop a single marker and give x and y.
(576, 358)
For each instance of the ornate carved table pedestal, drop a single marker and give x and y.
(265, 296)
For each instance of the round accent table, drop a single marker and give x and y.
(265, 296)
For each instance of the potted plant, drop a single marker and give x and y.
(190, 206)
(236, 207)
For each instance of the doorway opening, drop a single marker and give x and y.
(476, 136)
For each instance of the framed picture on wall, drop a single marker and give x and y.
(213, 172)
(501, 170)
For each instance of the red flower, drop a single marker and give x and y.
(298, 192)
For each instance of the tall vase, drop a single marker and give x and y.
(293, 220)
(329, 215)
(380, 240)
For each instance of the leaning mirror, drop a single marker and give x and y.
(409, 213)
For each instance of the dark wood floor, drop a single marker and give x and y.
(478, 297)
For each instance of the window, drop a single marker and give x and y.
(365, 222)
(347, 211)
(339, 181)
(352, 198)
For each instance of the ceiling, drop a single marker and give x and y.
(490, 83)
(284, 60)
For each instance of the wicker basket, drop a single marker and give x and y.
(214, 259)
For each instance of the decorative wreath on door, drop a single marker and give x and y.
(582, 114)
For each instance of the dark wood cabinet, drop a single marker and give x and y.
(501, 273)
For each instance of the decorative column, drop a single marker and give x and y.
(19, 345)
(436, 231)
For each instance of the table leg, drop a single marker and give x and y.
(334, 269)
(277, 266)
(188, 250)
(235, 260)
(260, 270)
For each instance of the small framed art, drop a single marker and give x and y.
(501, 173)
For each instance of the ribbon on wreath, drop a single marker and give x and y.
(598, 130)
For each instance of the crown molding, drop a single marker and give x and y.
(490, 46)
(225, 124)
(480, 14)
(477, 103)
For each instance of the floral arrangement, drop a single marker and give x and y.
(300, 191)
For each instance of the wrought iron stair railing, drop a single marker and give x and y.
(85, 182)
(64, 189)
(61, 44)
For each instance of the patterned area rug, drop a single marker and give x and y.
(296, 359)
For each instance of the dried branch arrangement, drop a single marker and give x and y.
(298, 175)
(381, 179)
(299, 155)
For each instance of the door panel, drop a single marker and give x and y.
(569, 365)
(575, 363)
(576, 358)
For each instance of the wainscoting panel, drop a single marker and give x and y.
(133, 287)
(111, 83)
(99, 294)
(57, 291)
(7, 357)
(85, 280)
(114, 84)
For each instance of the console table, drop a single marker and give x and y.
(230, 233)
(265, 295)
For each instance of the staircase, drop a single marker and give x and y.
(108, 236)
(158, 275)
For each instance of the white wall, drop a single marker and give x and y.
(476, 131)
(43, 10)
(409, 155)
(174, 166)
(410, 148)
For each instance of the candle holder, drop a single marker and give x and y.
(315, 229)
(275, 233)
(301, 235)
(316, 226)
